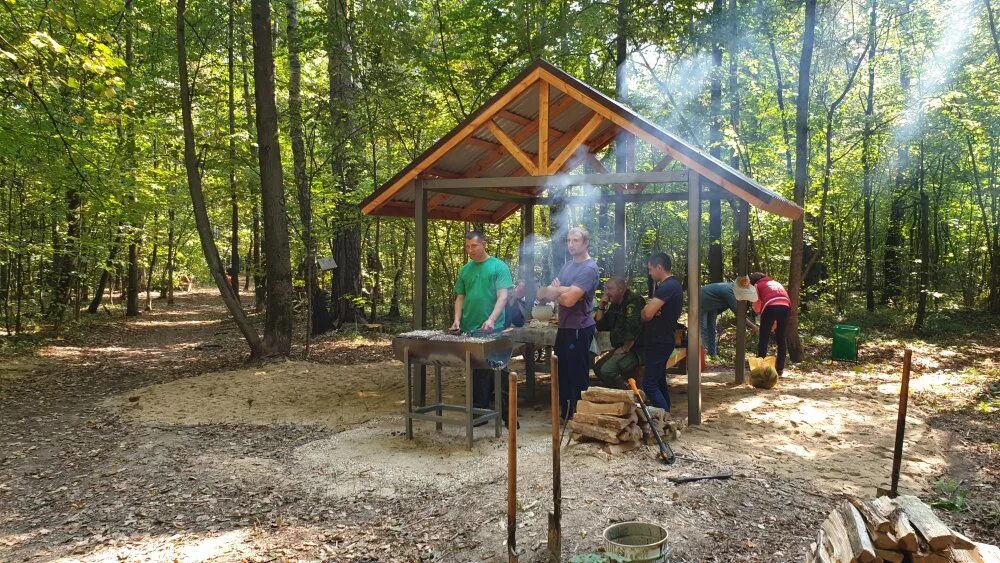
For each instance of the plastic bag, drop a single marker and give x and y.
(763, 374)
(744, 290)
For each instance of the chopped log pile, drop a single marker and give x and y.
(610, 416)
(893, 530)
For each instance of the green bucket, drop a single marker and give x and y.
(845, 343)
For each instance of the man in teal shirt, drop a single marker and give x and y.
(480, 298)
(716, 298)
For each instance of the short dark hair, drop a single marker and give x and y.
(616, 280)
(475, 235)
(660, 259)
(756, 277)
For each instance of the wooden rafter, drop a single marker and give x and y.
(512, 148)
(627, 125)
(515, 117)
(445, 145)
(404, 210)
(662, 165)
(543, 126)
(598, 165)
(473, 207)
(560, 106)
(578, 139)
(473, 140)
(439, 173)
(435, 200)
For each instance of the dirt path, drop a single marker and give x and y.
(132, 442)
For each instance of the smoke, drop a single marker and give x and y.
(957, 22)
(668, 87)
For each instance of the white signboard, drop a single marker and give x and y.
(327, 264)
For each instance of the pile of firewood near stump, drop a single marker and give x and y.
(611, 418)
(894, 530)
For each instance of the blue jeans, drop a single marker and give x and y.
(573, 350)
(654, 382)
(709, 331)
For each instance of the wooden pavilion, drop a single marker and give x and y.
(521, 149)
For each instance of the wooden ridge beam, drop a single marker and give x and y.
(512, 148)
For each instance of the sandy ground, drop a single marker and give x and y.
(141, 442)
(807, 428)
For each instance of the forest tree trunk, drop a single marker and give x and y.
(191, 165)
(234, 236)
(867, 164)
(801, 180)
(346, 222)
(278, 314)
(715, 264)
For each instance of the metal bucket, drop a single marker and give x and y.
(636, 542)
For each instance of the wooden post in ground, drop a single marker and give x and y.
(527, 262)
(904, 398)
(694, 307)
(512, 470)
(620, 233)
(555, 517)
(420, 278)
(742, 265)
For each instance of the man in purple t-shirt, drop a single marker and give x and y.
(574, 289)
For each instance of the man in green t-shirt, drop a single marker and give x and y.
(480, 298)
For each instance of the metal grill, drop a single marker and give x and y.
(436, 348)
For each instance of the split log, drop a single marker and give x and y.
(820, 554)
(577, 437)
(606, 395)
(906, 536)
(656, 412)
(630, 434)
(930, 557)
(619, 448)
(923, 519)
(873, 517)
(885, 541)
(603, 434)
(988, 553)
(965, 556)
(962, 542)
(608, 409)
(857, 533)
(889, 555)
(612, 422)
(838, 543)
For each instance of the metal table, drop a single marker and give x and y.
(438, 349)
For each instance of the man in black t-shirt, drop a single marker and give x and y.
(660, 317)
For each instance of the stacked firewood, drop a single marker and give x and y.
(669, 428)
(893, 530)
(610, 417)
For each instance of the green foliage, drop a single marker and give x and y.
(952, 496)
(72, 103)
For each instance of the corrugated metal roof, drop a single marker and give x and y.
(471, 150)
